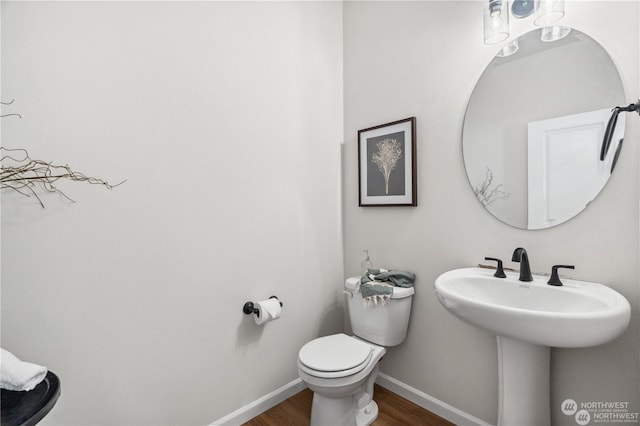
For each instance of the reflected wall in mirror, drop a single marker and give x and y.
(533, 129)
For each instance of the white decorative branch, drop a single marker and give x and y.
(386, 158)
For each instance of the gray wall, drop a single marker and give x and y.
(423, 59)
(225, 119)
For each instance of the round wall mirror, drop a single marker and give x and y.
(534, 126)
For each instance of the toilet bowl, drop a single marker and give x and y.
(341, 370)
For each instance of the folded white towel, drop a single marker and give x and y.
(18, 375)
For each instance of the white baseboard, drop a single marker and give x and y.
(260, 405)
(442, 409)
(428, 402)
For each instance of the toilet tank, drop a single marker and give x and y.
(384, 325)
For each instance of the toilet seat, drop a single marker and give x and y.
(335, 356)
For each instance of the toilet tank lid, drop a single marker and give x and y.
(398, 292)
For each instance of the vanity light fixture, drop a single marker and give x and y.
(548, 34)
(496, 21)
(548, 12)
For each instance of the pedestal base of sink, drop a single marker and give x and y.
(523, 374)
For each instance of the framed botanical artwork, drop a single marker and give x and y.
(387, 164)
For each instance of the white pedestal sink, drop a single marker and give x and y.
(528, 318)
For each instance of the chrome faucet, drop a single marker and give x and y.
(520, 255)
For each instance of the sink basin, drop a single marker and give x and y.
(577, 314)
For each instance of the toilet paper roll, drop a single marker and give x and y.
(268, 310)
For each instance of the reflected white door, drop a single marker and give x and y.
(564, 171)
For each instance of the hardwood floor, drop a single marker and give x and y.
(394, 411)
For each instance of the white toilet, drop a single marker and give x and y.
(341, 369)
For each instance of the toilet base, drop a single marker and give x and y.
(333, 411)
(341, 412)
(367, 415)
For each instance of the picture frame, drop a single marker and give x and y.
(387, 164)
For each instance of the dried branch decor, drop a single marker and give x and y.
(23, 174)
(9, 115)
(487, 193)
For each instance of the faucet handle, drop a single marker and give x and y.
(500, 272)
(555, 279)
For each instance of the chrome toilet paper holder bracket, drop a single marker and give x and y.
(249, 307)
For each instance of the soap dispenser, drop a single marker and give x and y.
(366, 263)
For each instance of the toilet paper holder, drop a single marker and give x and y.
(249, 308)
